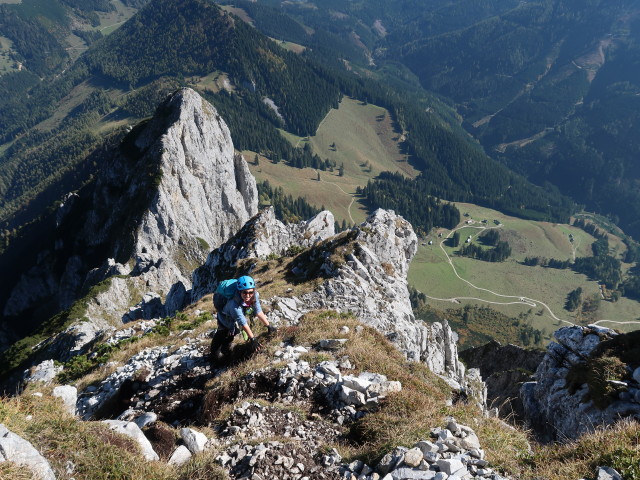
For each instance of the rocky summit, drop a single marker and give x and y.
(351, 385)
(169, 193)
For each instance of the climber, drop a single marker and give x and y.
(232, 319)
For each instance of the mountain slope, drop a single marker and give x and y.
(256, 68)
(171, 190)
(335, 380)
(547, 86)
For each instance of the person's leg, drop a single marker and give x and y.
(220, 347)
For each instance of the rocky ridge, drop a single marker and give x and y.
(364, 272)
(171, 191)
(566, 401)
(243, 442)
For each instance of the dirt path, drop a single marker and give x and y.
(517, 300)
(350, 203)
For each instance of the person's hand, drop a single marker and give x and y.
(271, 330)
(255, 345)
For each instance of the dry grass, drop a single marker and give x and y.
(617, 446)
(96, 452)
(15, 472)
(202, 467)
(404, 417)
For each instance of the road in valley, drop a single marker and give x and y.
(515, 299)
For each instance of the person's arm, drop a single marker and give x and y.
(258, 309)
(248, 331)
(263, 318)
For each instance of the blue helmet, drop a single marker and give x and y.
(245, 283)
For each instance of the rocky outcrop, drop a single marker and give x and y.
(168, 194)
(364, 272)
(588, 378)
(262, 236)
(366, 276)
(16, 449)
(504, 368)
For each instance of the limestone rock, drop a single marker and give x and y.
(608, 473)
(69, 396)
(551, 409)
(16, 449)
(194, 440)
(371, 283)
(131, 430)
(45, 372)
(173, 191)
(180, 456)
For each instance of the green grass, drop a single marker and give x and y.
(7, 65)
(214, 81)
(431, 273)
(290, 46)
(362, 133)
(110, 21)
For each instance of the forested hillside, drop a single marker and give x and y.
(166, 40)
(123, 76)
(549, 87)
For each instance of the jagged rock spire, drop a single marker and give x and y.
(172, 191)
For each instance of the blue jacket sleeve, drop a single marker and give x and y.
(257, 307)
(233, 312)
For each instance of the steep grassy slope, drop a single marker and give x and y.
(401, 419)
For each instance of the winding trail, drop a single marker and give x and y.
(350, 203)
(517, 300)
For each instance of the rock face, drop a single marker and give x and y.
(364, 273)
(504, 368)
(16, 449)
(563, 403)
(168, 194)
(264, 235)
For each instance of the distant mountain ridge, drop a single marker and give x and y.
(123, 76)
(549, 87)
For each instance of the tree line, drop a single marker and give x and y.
(287, 208)
(499, 253)
(410, 199)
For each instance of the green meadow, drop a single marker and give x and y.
(511, 287)
(7, 64)
(360, 137)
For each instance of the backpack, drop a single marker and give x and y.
(225, 292)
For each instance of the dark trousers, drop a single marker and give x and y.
(220, 347)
